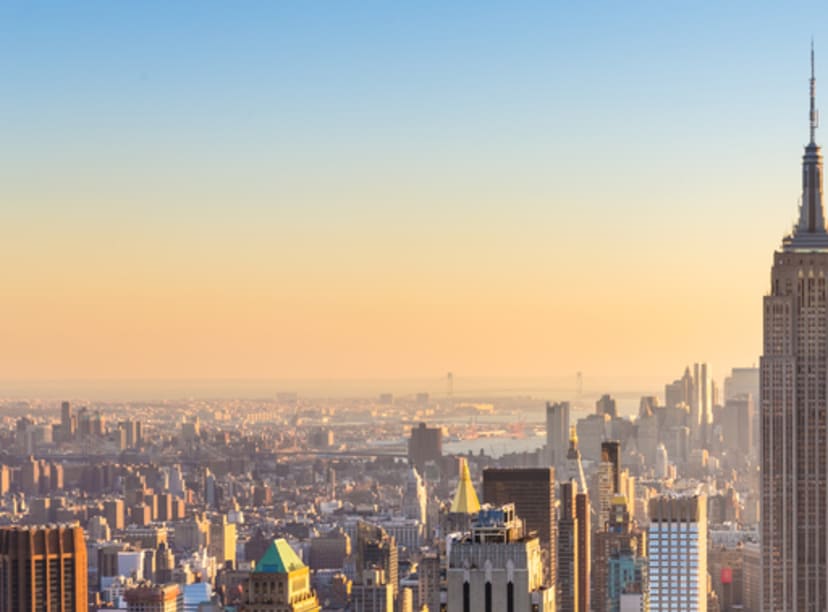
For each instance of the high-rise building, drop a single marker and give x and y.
(67, 422)
(679, 391)
(737, 425)
(742, 381)
(557, 430)
(329, 550)
(574, 534)
(375, 549)
(573, 550)
(701, 402)
(414, 497)
(609, 480)
(532, 490)
(497, 567)
(619, 558)
(223, 541)
(280, 583)
(793, 370)
(425, 444)
(606, 405)
(43, 569)
(677, 539)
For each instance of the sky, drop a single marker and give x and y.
(342, 190)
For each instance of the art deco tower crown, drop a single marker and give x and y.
(809, 234)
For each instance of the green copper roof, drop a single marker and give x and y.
(279, 559)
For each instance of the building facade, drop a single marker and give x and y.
(557, 433)
(677, 539)
(280, 583)
(43, 569)
(532, 491)
(793, 370)
(497, 567)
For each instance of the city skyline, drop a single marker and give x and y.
(393, 192)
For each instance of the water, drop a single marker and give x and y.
(495, 446)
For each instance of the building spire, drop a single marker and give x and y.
(814, 116)
(810, 234)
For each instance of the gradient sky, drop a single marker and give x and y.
(310, 190)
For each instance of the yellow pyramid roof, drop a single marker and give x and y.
(465, 499)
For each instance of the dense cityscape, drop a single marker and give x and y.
(703, 492)
(359, 504)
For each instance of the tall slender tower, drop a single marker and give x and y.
(794, 394)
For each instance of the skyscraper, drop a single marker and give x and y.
(793, 370)
(701, 404)
(43, 568)
(497, 566)
(425, 444)
(573, 549)
(609, 480)
(532, 490)
(557, 430)
(678, 554)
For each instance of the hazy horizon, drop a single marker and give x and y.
(194, 191)
(539, 388)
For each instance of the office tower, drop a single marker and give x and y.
(375, 549)
(43, 569)
(223, 541)
(677, 539)
(573, 549)
(752, 575)
(592, 430)
(619, 559)
(371, 592)
(609, 480)
(532, 490)
(742, 381)
(425, 444)
(737, 425)
(279, 583)
(575, 501)
(794, 365)
(67, 422)
(557, 430)
(701, 402)
(430, 582)
(414, 497)
(583, 512)
(329, 551)
(662, 462)
(155, 598)
(679, 391)
(606, 405)
(725, 564)
(497, 566)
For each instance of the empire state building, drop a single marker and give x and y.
(794, 381)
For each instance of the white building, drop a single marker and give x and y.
(677, 539)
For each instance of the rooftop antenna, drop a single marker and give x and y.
(814, 117)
